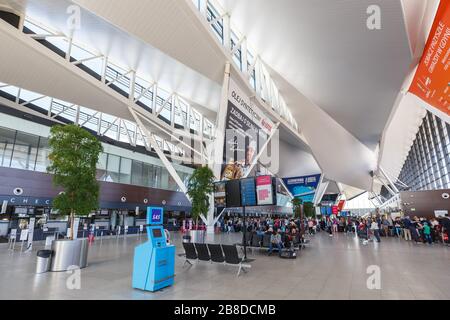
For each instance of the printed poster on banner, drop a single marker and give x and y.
(247, 130)
(432, 79)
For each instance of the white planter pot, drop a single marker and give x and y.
(69, 253)
(197, 236)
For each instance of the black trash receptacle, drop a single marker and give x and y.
(44, 261)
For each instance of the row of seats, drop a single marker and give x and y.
(263, 241)
(217, 253)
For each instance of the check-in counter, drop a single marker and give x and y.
(57, 225)
(4, 225)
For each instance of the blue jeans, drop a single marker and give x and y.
(278, 245)
(428, 238)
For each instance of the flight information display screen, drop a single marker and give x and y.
(248, 192)
(233, 194)
(157, 233)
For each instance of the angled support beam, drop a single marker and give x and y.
(119, 78)
(64, 109)
(33, 100)
(144, 92)
(160, 153)
(164, 104)
(386, 176)
(130, 139)
(89, 119)
(170, 134)
(110, 126)
(86, 60)
(44, 36)
(237, 46)
(212, 21)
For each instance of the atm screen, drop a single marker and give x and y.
(157, 233)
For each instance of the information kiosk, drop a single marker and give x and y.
(154, 261)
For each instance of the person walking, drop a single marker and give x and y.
(407, 228)
(374, 226)
(427, 233)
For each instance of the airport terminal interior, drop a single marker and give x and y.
(224, 150)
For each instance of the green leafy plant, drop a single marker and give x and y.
(199, 188)
(308, 209)
(73, 160)
(297, 207)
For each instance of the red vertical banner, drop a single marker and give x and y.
(341, 205)
(432, 79)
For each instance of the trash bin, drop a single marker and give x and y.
(44, 261)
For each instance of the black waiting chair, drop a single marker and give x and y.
(202, 252)
(266, 240)
(256, 241)
(216, 253)
(232, 258)
(190, 252)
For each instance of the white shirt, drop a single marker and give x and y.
(374, 225)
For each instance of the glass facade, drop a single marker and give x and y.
(24, 151)
(428, 163)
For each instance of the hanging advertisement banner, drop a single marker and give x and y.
(431, 82)
(304, 187)
(341, 205)
(246, 131)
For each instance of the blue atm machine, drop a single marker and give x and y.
(154, 260)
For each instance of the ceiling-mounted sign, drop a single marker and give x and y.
(432, 79)
(247, 130)
(303, 188)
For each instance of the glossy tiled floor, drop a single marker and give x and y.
(331, 268)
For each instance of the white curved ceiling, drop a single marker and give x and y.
(325, 50)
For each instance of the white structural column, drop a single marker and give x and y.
(317, 199)
(161, 155)
(215, 152)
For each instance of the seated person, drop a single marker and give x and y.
(275, 239)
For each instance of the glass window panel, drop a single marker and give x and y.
(112, 169)
(7, 138)
(25, 150)
(42, 161)
(125, 170)
(136, 173)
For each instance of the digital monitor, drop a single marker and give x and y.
(248, 192)
(154, 215)
(220, 194)
(233, 194)
(264, 190)
(157, 233)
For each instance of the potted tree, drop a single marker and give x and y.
(200, 186)
(73, 160)
(297, 206)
